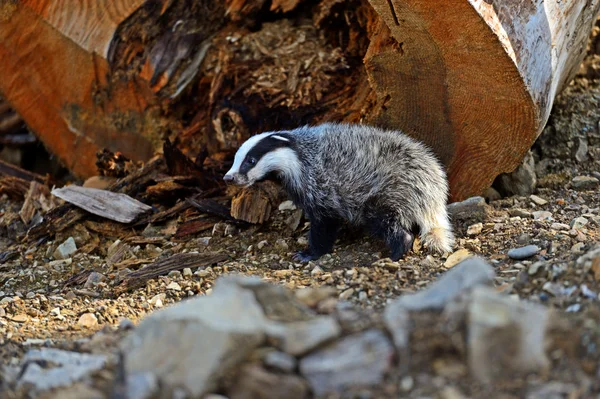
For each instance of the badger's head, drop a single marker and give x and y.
(262, 155)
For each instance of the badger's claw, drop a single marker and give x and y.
(303, 256)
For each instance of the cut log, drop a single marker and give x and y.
(473, 79)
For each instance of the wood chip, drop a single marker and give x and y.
(32, 201)
(114, 206)
(138, 278)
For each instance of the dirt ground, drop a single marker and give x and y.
(41, 305)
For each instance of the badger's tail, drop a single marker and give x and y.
(436, 231)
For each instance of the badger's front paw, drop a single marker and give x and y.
(304, 256)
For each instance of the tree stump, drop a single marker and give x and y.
(473, 79)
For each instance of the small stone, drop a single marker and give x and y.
(88, 320)
(578, 247)
(317, 271)
(357, 360)
(537, 200)
(520, 213)
(230, 230)
(287, 206)
(173, 286)
(491, 194)
(347, 294)
(475, 229)
(578, 223)
(262, 244)
(582, 150)
(312, 296)
(522, 181)
(282, 244)
(187, 272)
(407, 383)
(156, 298)
(94, 279)
(542, 215)
(559, 226)
(523, 252)
(533, 269)
(585, 183)
(302, 241)
(523, 239)
(472, 209)
(19, 318)
(203, 241)
(55, 312)
(280, 361)
(457, 257)
(65, 249)
(219, 229)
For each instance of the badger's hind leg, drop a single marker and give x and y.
(321, 238)
(398, 238)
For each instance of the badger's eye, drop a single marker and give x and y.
(252, 161)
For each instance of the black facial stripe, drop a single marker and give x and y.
(263, 147)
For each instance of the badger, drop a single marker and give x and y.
(381, 180)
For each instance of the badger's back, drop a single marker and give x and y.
(348, 167)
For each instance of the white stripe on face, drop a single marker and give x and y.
(244, 150)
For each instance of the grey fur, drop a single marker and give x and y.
(359, 174)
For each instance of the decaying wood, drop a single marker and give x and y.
(212, 207)
(113, 206)
(473, 79)
(138, 278)
(7, 169)
(254, 204)
(14, 187)
(33, 200)
(194, 226)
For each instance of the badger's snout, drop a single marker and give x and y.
(235, 178)
(228, 179)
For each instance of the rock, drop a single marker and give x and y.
(473, 209)
(523, 252)
(584, 183)
(141, 386)
(538, 200)
(582, 150)
(542, 215)
(316, 271)
(578, 223)
(357, 360)
(293, 221)
(230, 230)
(559, 226)
(347, 294)
(194, 342)
(520, 213)
(62, 369)
(262, 244)
(66, 249)
(533, 269)
(88, 320)
(219, 229)
(456, 281)
(491, 194)
(19, 318)
(173, 286)
(280, 361)
(282, 244)
(457, 257)
(255, 382)
(187, 272)
(298, 338)
(577, 247)
(312, 296)
(511, 333)
(475, 229)
(522, 181)
(94, 279)
(287, 206)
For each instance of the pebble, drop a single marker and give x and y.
(578, 247)
(578, 222)
(533, 269)
(347, 294)
(302, 241)
(65, 249)
(538, 200)
(287, 206)
(473, 208)
(523, 252)
(156, 298)
(475, 229)
(559, 226)
(174, 286)
(407, 383)
(585, 182)
(262, 244)
(317, 271)
(94, 279)
(457, 257)
(280, 361)
(281, 244)
(19, 318)
(88, 320)
(542, 215)
(187, 272)
(519, 212)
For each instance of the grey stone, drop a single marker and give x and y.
(357, 360)
(280, 361)
(581, 155)
(298, 338)
(473, 209)
(141, 385)
(94, 279)
(542, 215)
(584, 183)
(66, 249)
(522, 181)
(578, 222)
(191, 344)
(462, 277)
(523, 252)
(68, 367)
(510, 332)
(538, 200)
(287, 206)
(519, 212)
